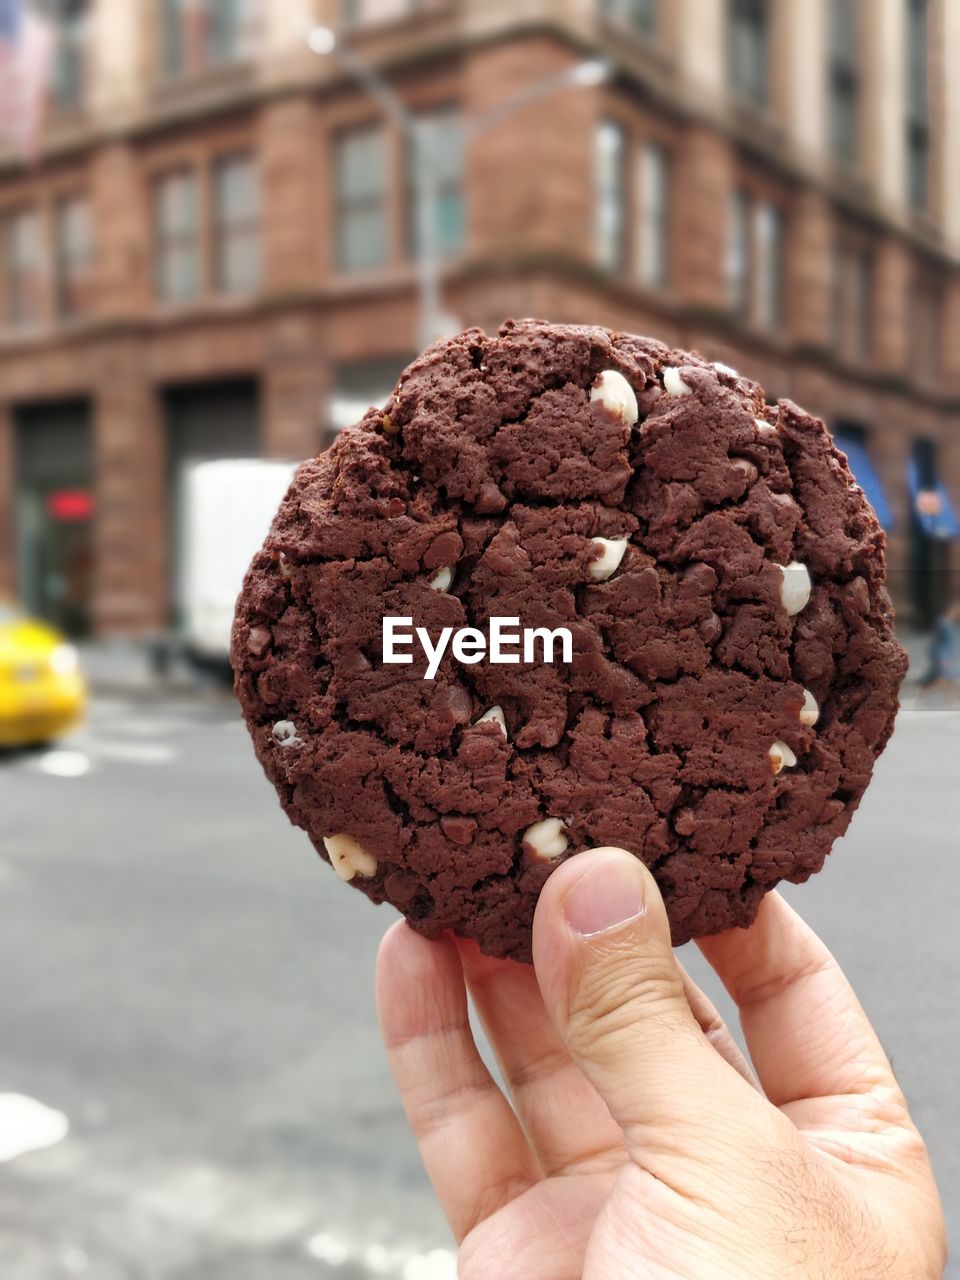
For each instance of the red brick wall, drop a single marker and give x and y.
(295, 381)
(529, 182)
(809, 286)
(891, 310)
(293, 193)
(701, 194)
(122, 231)
(130, 589)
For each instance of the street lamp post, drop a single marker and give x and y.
(421, 138)
(432, 320)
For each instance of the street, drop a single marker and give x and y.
(182, 980)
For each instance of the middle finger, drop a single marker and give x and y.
(714, 1027)
(564, 1117)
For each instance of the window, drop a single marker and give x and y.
(653, 202)
(360, 12)
(844, 79)
(768, 295)
(23, 267)
(74, 238)
(918, 111)
(926, 318)
(610, 210)
(639, 15)
(359, 384)
(439, 138)
(68, 71)
(861, 305)
(201, 34)
(852, 300)
(755, 260)
(360, 185)
(738, 251)
(176, 255)
(237, 224)
(748, 49)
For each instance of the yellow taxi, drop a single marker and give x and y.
(42, 689)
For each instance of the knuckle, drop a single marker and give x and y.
(622, 990)
(492, 1248)
(486, 1219)
(471, 1262)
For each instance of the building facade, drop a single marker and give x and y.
(216, 251)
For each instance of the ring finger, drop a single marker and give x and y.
(566, 1120)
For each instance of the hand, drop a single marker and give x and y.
(639, 1143)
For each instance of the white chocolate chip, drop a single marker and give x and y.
(547, 838)
(616, 395)
(725, 368)
(607, 563)
(810, 711)
(673, 384)
(495, 716)
(442, 580)
(794, 587)
(349, 859)
(285, 570)
(781, 756)
(388, 426)
(767, 431)
(285, 734)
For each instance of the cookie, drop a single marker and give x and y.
(733, 673)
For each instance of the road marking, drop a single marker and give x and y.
(101, 706)
(144, 728)
(132, 752)
(328, 1249)
(396, 1262)
(438, 1264)
(64, 764)
(28, 1125)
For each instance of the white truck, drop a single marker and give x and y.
(227, 507)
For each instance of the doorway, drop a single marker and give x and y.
(204, 422)
(55, 511)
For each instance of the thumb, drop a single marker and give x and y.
(601, 948)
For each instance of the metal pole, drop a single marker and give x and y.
(420, 137)
(582, 75)
(423, 139)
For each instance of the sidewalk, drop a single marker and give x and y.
(120, 666)
(917, 644)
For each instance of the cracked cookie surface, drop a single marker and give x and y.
(734, 672)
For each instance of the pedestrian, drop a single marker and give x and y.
(639, 1142)
(944, 671)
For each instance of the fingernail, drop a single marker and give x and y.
(608, 894)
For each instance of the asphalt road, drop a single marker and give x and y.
(190, 993)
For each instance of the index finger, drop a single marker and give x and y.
(805, 1029)
(470, 1140)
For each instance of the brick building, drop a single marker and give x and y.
(215, 253)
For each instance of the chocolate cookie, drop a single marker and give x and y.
(733, 674)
